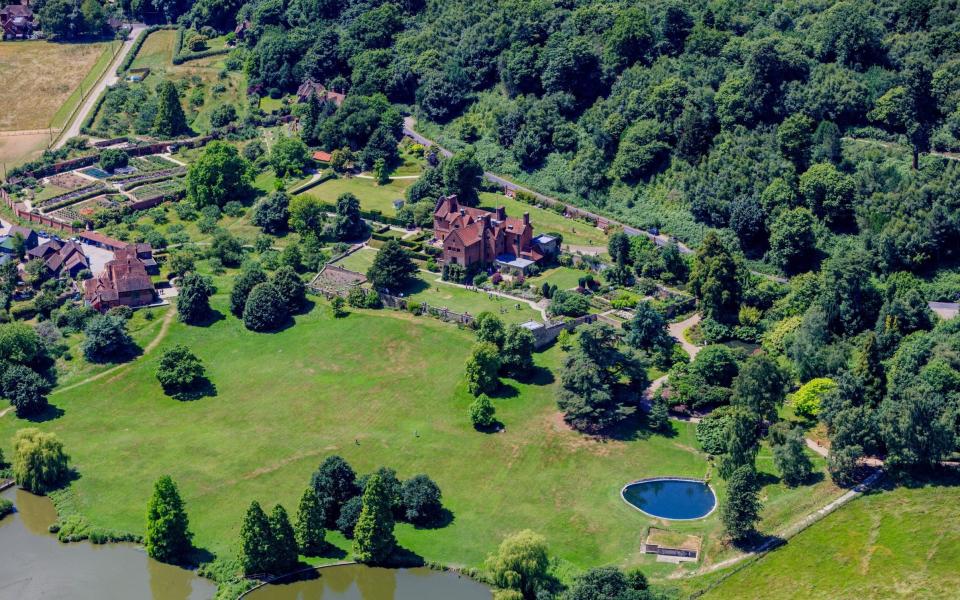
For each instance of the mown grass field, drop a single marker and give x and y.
(896, 543)
(562, 277)
(379, 388)
(371, 195)
(38, 78)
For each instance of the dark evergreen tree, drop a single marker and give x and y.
(168, 530)
(256, 542)
(741, 511)
(334, 482)
(310, 526)
(373, 540)
(170, 121)
(193, 298)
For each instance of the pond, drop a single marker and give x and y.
(359, 582)
(34, 564)
(669, 498)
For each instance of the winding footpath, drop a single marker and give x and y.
(164, 328)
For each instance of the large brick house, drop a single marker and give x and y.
(471, 236)
(16, 21)
(124, 281)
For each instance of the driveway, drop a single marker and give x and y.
(110, 78)
(99, 257)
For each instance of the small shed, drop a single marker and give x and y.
(398, 204)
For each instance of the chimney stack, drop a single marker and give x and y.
(501, 213)
(526, 218)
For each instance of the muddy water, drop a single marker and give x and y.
(34, 565)
(357, 582)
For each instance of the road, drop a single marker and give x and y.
(110, 78)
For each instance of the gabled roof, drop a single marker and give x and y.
(26, 232)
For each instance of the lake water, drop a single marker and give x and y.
(674, 499)
(358, 582)
(35, 565)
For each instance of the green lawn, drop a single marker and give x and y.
(156, 51)
(438, 294)
(359, 261)
(903, 543)
(574, 232)
(380, 388)
(371, 195)
(562, 277)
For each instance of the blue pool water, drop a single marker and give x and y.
(95, 172)
(674, 499)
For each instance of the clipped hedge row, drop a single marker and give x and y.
(187, 56)
(178, 44)
(95, 190)
(312, 184)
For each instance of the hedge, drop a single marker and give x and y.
(23, 311)
(86, 127)
(312, 184)
(91, 194)
(188, 56)
(135, 49)
(177, 45)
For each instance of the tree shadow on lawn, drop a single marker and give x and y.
(759, 542)
(120, 356)
(638, 428)
(537, 376)
(938, 476)
(214, 316)
(202, 389)
(442, 520)
(415, 286)
(504, 391)
(49, 413)
(495, 427)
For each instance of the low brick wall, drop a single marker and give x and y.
(548, 334)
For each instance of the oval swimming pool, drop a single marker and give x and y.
(671, 498)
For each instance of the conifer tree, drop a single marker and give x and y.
(373, 536)
(742, 508)
(168, 534)
(310, 523)
(256, 541)
(170, 120)
(285, 554)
